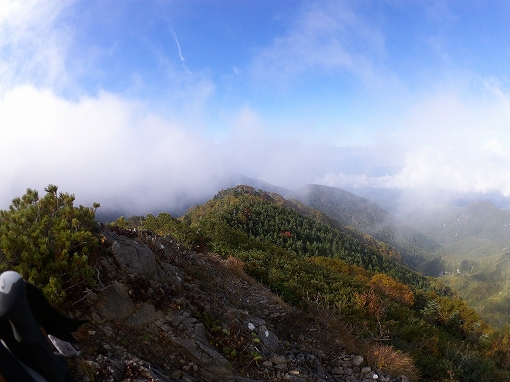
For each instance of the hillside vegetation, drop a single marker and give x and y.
(469, 246)
(302, 258)
(368, 217)
(48, 240)
(478, 219)
(474, 252)
(311, 261)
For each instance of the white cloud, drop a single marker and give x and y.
(325, 36)
(453, 143)
(115, 151)
(472, 170)
(112, 148)
(104, 148)
(495, 147)
(439, 168)
(178, 46)
(32, 42)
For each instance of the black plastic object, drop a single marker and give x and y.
(11, 369)
(21, 335)
(52, 321)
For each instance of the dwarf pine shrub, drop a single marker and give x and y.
(47, 240)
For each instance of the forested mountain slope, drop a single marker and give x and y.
(303, 258)
(474, 254)
(485, 285)
(268, 217)
(482, 220)
(171, 291)
(368, 217)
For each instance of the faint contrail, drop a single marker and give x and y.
(178, 45)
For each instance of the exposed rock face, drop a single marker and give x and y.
(162, 313)
(115, 303)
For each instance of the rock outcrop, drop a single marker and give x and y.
(164, 313)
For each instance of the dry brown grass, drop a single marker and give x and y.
(391, 361)
(378, 355)
(329, 316)
(236, 266)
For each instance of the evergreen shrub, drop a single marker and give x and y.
(48, 240)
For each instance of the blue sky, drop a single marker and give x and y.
(153, 101)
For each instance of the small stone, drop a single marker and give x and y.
(357, 360)
(96, 318)
(108, 332)
(337, 370)
(177, 374)
(92, 332)
(294, 372)
(165, 328)
(278, 359)
(93, 296)
(366, 370)
(186, 368)
(267, 364)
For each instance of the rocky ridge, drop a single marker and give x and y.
(163, 313)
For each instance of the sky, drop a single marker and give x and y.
(149, 103)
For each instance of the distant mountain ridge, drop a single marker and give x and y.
(474, 253)
(465, 242)
(239, 179)
(479, 219)
(368, 217)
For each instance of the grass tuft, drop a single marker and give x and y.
(386, 358)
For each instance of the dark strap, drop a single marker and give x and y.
(11, 369)
(32, 344)
(46, 316)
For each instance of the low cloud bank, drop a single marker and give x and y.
(117, 152)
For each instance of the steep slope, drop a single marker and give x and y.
(475, 245)
(164, 313)
(304, 259)
(486, 286)
(171, 299)
(365, 216)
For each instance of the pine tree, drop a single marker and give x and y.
(48, 240)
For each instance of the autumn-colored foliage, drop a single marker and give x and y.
(308, 260)
(392, 289)
(372, 303)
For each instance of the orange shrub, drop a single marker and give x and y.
(392, 289)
